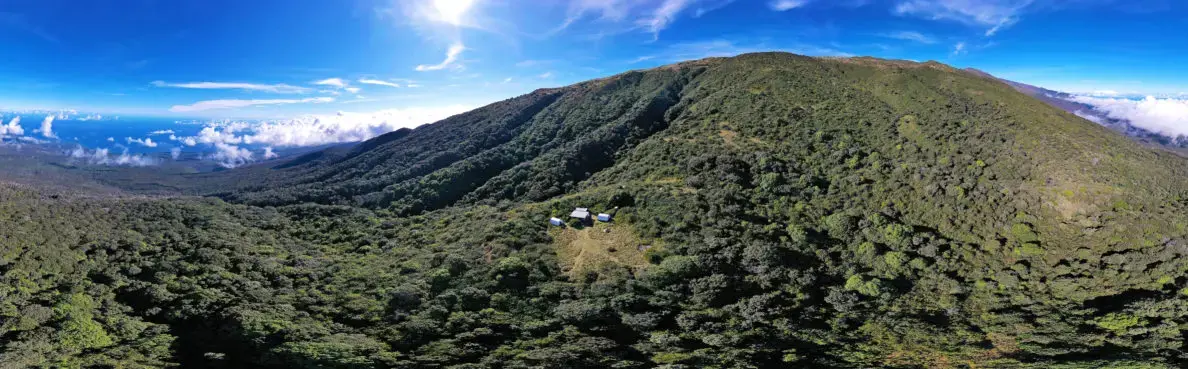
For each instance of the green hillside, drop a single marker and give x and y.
(771, 211)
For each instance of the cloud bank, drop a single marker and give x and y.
(233, 141)
(105, 157)
(1166, 116)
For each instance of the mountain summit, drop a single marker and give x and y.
(765, 210)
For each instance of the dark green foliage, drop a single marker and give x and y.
(800, 212)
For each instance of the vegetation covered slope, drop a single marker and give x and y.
(789, 212)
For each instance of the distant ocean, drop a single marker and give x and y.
(138, 141)
(116, 134)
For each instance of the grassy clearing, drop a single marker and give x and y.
(597, 247)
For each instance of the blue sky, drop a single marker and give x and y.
(272, 58)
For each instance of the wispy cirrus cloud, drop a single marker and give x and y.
(451, 59)
(994, 15)
(21, 23)
(959, 48)
(333, 82)
(231, 104)
(662, 16)
(368, 81)
(622, 16)
(274, 88)
(910, 36)
(784, 5)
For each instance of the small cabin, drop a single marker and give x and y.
(604, 217)
(556, 222)
(580, 213)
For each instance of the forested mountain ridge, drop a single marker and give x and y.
(771, 210)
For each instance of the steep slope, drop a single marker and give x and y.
(771, 210)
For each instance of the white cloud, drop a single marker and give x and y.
(782, 5)
(546, 75)
(13, 128)
(911, 36)
(993, 15)
(230, 104)
(336, 82)
(378, 82)
(608, 10)
(1164, 116)
(230, 156)
(111, 139)
(268, 154)
(224, 134)
(161, 132)
(47, 127)
(105, 157)
(959, 48)
(175, 152)
(452, 12)
(451, 58)
(316, 130)
(663, 16)
(1089, 116)
(621, 16)
(1104, 93)
(146, 142)
(274, 88)
(353, 90)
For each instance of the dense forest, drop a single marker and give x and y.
(770, 211)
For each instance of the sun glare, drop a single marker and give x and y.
(452, 11)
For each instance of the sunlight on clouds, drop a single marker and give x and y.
(452, 11)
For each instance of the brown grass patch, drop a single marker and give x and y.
(598, 247)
